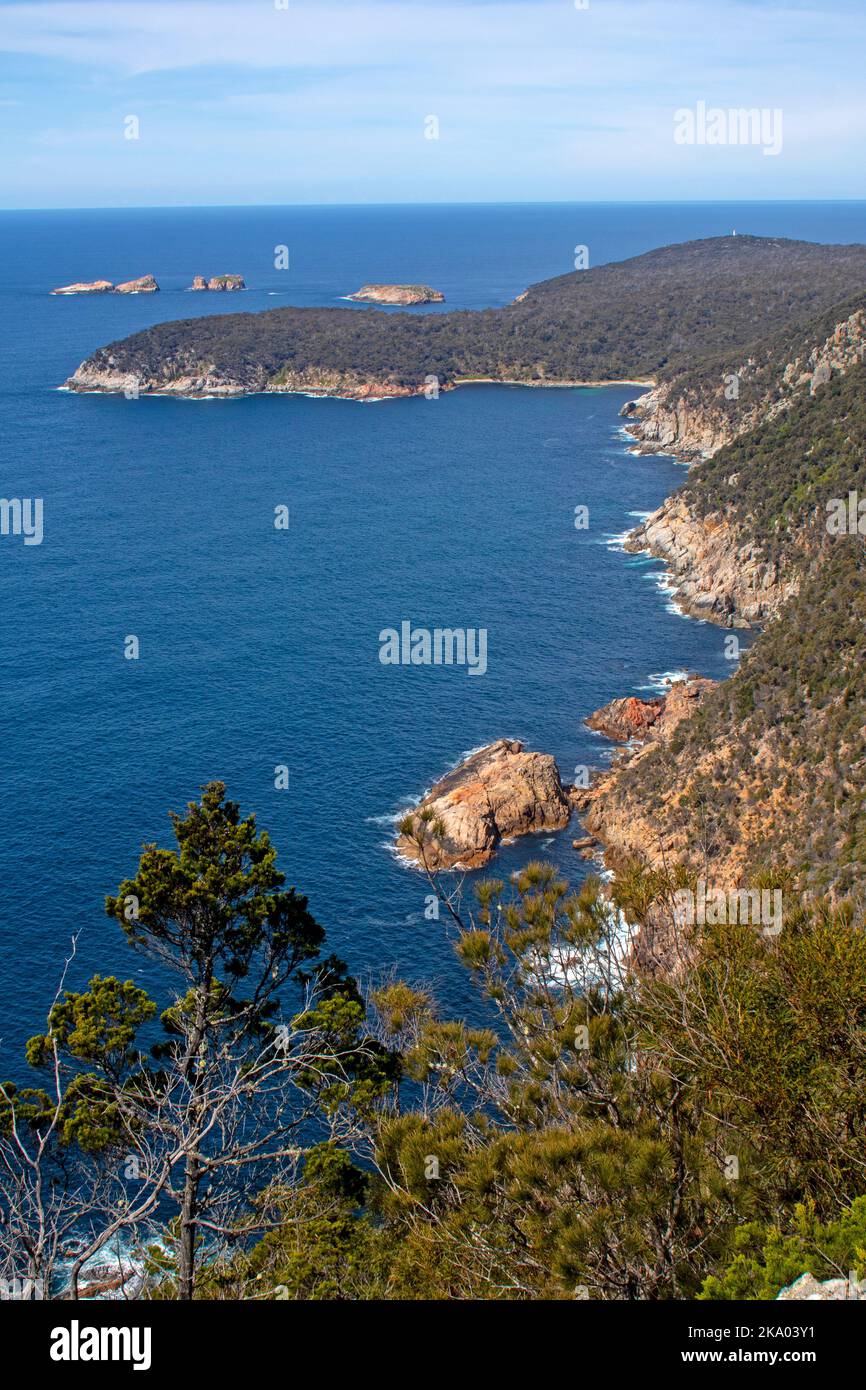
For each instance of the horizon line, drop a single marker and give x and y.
(447, 203)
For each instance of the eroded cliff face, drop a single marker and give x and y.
(694, 421)
(667, 421)
(497, 793)
(713, 573)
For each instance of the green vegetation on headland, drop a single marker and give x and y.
(635, 319)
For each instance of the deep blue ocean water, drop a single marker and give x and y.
(259, 647)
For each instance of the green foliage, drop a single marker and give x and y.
(583, 1145)
(774, 482)
(212, 1104)
(97, 1026)
(772, 1029)
(321, 1247)
(768, 1259)
(216, 902)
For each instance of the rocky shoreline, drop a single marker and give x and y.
(502, 791)
(322, 382)
(714, 575)
(717, 574)
(197, 384)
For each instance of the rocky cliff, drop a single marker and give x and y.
(700, 410)
(495, 794)
(765, 771)
(719, 571)
(715, 573)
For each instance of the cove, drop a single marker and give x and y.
(258, 646)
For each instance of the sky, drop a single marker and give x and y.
(119, 103)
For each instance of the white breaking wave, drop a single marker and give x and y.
(615, 541)
(661, 681)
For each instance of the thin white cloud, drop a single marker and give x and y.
(533, 98)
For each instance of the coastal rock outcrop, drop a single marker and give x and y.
(663, 421)
(608, 812)
(630, 718)
(398, 294)
(625, 718)
(495, 794)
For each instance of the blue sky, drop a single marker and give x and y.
(239, 101)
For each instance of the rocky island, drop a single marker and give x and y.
(145, 284)
(495, 794)
(397, 294)
(86, 287)
(220, 283)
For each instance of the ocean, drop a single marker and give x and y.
(258, 647)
